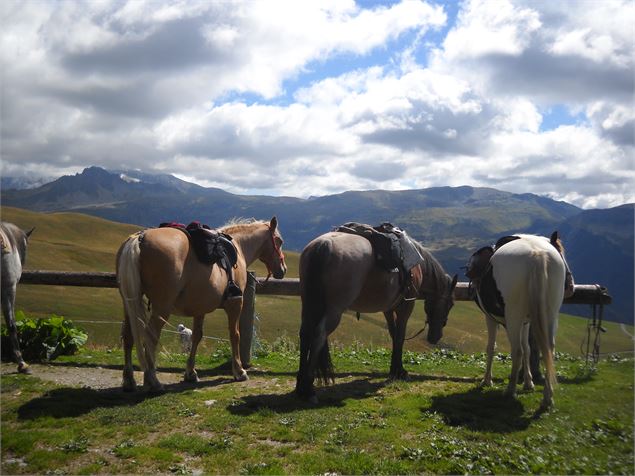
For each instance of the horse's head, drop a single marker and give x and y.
(438, 307)
(569, 283)
(271, 253)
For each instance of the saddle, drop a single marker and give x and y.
(212, 247)
(394, 252)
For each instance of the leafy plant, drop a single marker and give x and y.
(44, 339)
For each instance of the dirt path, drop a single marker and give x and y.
(93, 377)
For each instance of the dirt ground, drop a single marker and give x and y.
(86, 376)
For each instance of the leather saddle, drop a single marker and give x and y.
(394, 252)
(212, 247)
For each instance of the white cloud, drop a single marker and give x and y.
(162, 85)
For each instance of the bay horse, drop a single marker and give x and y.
(161, 264)
(14, 242)
(533, 278)
(338, 271)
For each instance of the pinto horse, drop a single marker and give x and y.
(338, 271)
(532, 277)
(14, 242)
(161, 264)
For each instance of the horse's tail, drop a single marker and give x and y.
(129, 281)
(314, 309)
(539, 312)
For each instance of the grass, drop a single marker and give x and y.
(438, 422)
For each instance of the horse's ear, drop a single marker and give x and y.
(28, 233)
(555, 236)
(273, 224)
(454, 281)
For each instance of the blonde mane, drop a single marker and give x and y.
(237, 225)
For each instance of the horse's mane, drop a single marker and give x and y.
(432, 265)
(238, 224)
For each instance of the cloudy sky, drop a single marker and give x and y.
(311, 98)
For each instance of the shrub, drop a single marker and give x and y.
(44, 339)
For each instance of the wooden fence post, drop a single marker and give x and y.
(246, 324)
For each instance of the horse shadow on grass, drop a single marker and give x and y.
(73, 402)
(478, 410)
(333, 395)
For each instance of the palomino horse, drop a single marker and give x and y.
(160, 264)
(532, 276)
(14, 242)
(338, 271)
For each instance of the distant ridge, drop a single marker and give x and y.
(452, 221)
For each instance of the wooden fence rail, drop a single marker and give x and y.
(583, 293)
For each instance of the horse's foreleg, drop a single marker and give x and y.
(492, 329)
(197, 335)
(233, 308)
(128, 383)
(153, 331)
(8, 300)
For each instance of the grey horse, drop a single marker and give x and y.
(14, 241)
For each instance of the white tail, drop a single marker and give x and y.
(129, 280)
(539, 313)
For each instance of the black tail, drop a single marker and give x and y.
(313, 320)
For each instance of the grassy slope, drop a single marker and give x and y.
(68, 241)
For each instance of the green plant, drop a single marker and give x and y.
(44, 339)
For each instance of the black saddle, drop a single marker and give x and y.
(212, 247)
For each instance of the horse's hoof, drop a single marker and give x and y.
(528, 387)
(191, 378)
(399, 375)
(156, 390)
(546, 404)
(485, 384)
(24, 368)
(129, 388)
(242, 377)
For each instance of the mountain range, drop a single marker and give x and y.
(452, 221)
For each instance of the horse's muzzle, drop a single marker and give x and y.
(279, 273)
(434, 337)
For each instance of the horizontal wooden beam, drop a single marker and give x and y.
(584, 293)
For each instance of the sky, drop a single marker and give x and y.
(303, 98)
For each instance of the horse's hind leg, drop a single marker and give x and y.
(524, 342)
(153, 333)
(8, 300)
(197, 335)
(514, 332)
(128, 383)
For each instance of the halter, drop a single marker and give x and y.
(277, 250)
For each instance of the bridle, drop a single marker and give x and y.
(277, 250)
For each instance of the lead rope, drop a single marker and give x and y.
(424, 328)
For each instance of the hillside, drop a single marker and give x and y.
(71, 241)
